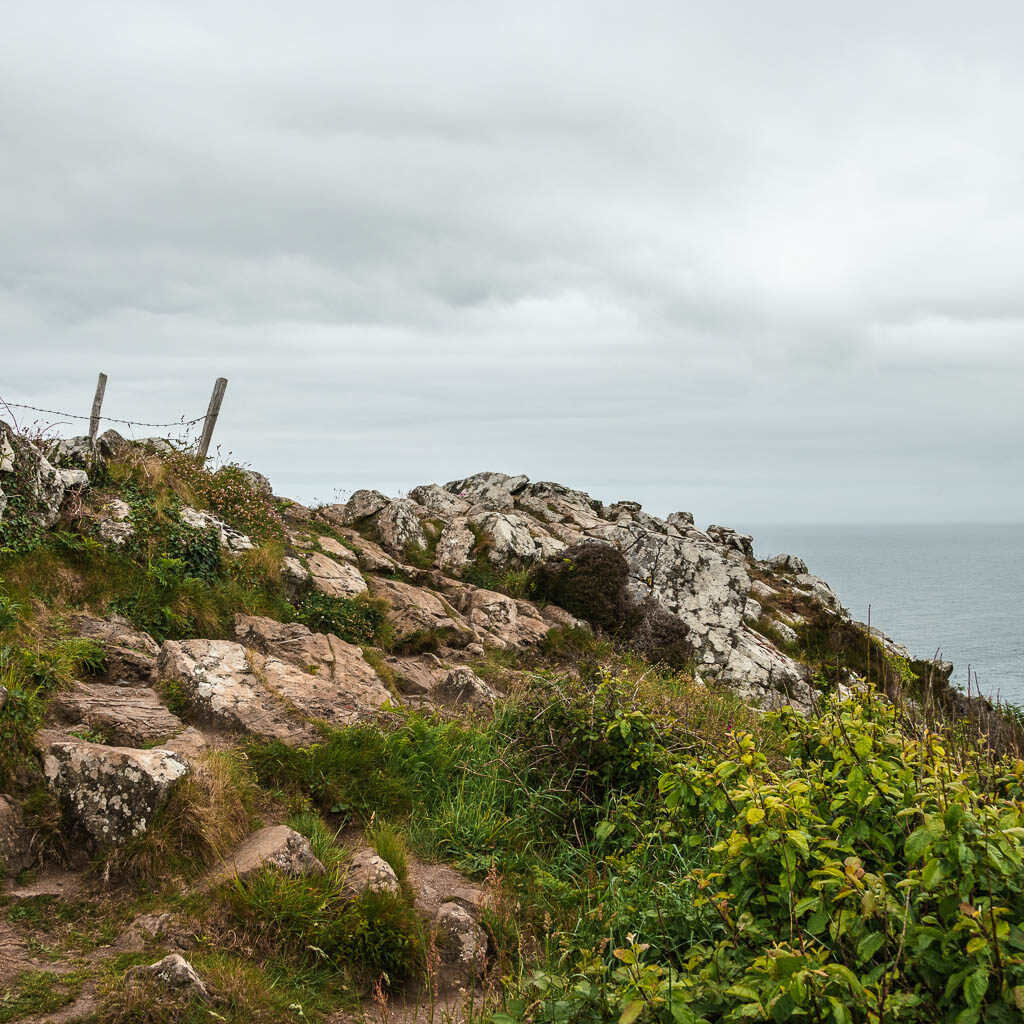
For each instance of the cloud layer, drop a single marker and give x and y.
(761, 262)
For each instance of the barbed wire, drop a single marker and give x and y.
(109, 419)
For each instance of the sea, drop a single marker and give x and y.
(953, 588)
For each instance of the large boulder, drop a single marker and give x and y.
(455, 546)
(729, 538)
(463, 686)
(439, 501)
(492, 490)
(222, 688)
(463, 943)
(417, 610)
(360, 506)
(336, 579)
(130, 716)
(110, 794)
(399, 527)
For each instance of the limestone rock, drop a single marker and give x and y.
(819, 590)
(274, 846)
(361, 505)
(495, 490)
(414, 609)
(336, 579)
(439, 501)
(110, 794)
(765, 677)
(368, 872)
(762, 591)
(510, 537)
(336, 549)
(751, 611)
(463, 942)
(28, 478)
(129, 716)
(113, 522)
(400, 528)
(73, 452)
(785, 633)
(223, 690)
(463, 686)
(787, 563)
(176, 974)
(455, 547)
(230, 538)
(371, 557)
(339, 683)
(295, 573)
(15, 849)
(727, 537)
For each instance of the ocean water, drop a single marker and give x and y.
(954, 588)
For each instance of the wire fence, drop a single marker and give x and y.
(208, 420)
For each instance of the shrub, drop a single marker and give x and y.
(357, 620)
(590, 580)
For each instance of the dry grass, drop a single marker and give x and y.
(208, 814)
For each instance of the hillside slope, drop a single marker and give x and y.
(493, 748)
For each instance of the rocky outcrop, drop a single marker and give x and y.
(336, 579)
(32, 489)
(109, 794)
(463, 686)
(277, 686)
(416, 609)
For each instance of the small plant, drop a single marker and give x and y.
(357, 620)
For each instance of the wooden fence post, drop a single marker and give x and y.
(97, 404)
(211, 417)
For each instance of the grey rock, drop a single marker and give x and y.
(275, 846)
(785, 632)
(455, 546)
(439, 501)
(463, 942)
(113, 522)
(175, 974)
(751, 611)
(129, 655)
(463, 686)
(336, 579)
(15, 848)
(495, 490)
(361, 505)
(110, 794)
(724, 535)
(787, 563)
(368, 872)
(231, 539)
(399, 527)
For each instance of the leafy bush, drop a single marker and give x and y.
(357, 620)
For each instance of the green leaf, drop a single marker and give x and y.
(869, 945)
(632, 1011)
(603, 830)
(933, 873)
(799, 840)
(975, 986)
(917, 843)
(754, 815)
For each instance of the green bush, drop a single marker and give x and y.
(357, 620)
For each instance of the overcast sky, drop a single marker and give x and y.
(759, 261)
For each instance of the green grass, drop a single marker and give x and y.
(36, 992)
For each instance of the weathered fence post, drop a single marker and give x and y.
(97, 404)
(211, 417)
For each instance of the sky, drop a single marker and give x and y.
(757, 261)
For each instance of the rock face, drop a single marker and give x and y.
(110, 794)
(702, 578)
(128, 715)
(463, 686)
(336, 579)
(286, 679)
(275, 846)
(32, 490)
(230, 539)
